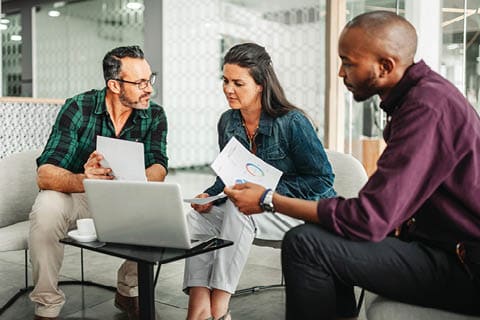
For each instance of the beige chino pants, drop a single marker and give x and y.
(53, 215)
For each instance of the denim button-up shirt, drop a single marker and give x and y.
(290, 144)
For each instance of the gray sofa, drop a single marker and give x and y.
(24, 130)
(26, 124)
(380, 308)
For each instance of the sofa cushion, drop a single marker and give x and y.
(18, 186)
(380, 308)
(15, 236)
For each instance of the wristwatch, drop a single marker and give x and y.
(266, 201)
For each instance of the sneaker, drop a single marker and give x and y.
(128, 305)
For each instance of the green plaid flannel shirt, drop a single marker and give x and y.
(83, 117)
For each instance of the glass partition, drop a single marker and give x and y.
(364, 121)
(197, 34)
(72, 38)
(454, 53)
(11, 29)
(472, 53)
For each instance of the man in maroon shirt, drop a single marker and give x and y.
(427, 186)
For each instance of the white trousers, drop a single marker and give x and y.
(53, 214)
(221, 269)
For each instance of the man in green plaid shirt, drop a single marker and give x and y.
(121, 110)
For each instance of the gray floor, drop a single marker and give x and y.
(263, 268)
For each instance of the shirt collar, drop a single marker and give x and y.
(101, 107)
(412, 75)
(265, 126)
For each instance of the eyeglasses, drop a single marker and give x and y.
(143, 83)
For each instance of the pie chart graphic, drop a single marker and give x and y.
(254, 170)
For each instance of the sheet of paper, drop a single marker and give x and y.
(205, 200)
(235, 163)
(125, 158)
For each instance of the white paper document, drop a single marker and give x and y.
(125, 158)
(235, 163)
(205, 200)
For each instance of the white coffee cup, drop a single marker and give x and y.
(86, 227)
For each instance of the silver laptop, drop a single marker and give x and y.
(140, 213)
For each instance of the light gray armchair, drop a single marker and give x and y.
(18, 189)
(380, 308)
(350, 176)
(26, 124)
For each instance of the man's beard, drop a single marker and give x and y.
(368, 89)
(130, 103)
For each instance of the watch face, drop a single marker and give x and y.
(267, 207)
(267, 201)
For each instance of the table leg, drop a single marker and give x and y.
(146, 291)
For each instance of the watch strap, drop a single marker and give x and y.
(262, 198)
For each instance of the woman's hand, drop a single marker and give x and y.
(202, 208)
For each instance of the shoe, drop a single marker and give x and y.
(44, 318)
(128, 305)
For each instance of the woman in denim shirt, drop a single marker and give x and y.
(263, 121)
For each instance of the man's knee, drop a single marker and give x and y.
(298, 236)
(293, 244)
(48, 212)
(307, 243)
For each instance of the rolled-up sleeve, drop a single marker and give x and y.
(62, 142)
(156, 141)
(411, 168)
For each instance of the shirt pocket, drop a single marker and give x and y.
(277, 157)
(273, 153)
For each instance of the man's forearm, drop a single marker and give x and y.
(296, 208)
(51, 177)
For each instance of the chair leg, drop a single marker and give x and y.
(21, 291)
(156, 275)
(28, 288)
(81, 264)
(258, 288)
(26, 268)
(360, 300)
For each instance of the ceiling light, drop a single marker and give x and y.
(16, 37)
(59, 4)
(54, 13)
(134, 6)
(4, 21)
(3, 27)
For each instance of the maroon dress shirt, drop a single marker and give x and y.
(430, 169)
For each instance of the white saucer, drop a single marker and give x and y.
(81, 238)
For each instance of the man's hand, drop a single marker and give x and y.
(202, 208)
(94, 170)
(246, 196)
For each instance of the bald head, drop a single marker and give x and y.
(376, 49)
(388, 34)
